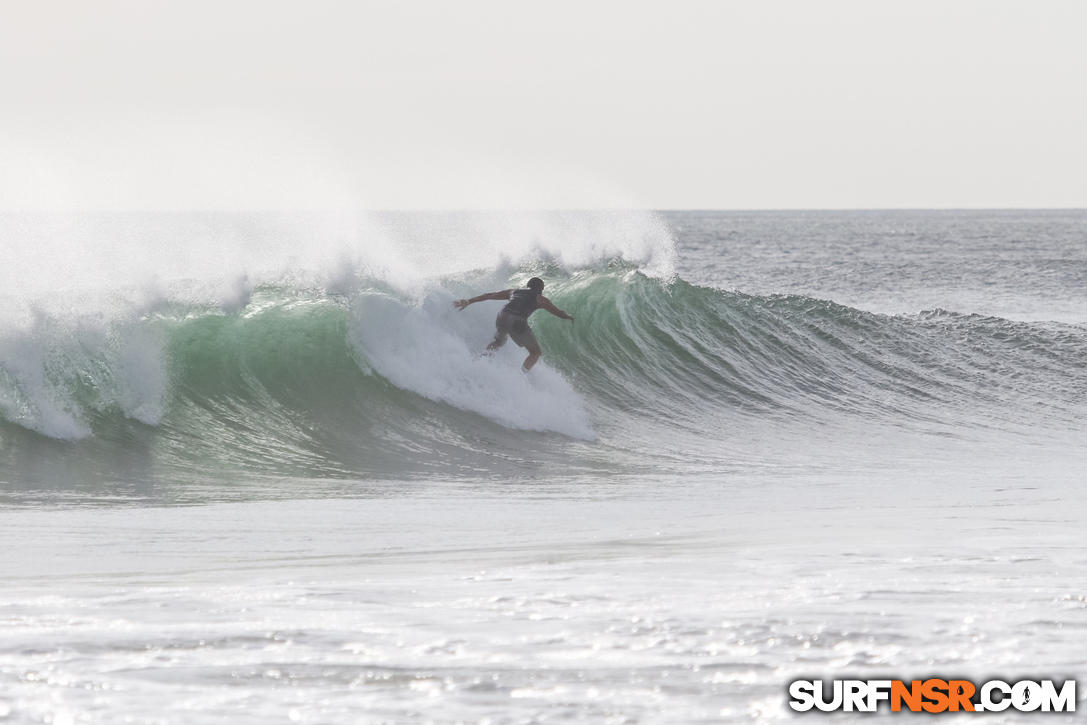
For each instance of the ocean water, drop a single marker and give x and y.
(254, 469)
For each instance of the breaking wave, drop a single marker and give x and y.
(359, 374)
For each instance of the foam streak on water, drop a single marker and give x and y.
(462, 608)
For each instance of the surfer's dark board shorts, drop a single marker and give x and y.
(516, 327)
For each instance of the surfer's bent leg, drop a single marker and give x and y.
(534, 353)
(524, 337)
(501, 331)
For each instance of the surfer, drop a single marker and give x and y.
(512, 320)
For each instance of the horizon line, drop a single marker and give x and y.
(441, 210)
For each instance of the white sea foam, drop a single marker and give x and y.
(443, 243)
(431, 350)
(50, 254)
(55, 368)
(29, 395)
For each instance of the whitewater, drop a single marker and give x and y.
(254, 468)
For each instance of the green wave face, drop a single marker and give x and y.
(304, 384)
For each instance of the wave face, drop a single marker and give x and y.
(353, 377)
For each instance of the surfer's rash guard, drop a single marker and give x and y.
(522, 302)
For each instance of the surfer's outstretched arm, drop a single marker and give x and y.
(503, 295)
(546, 304)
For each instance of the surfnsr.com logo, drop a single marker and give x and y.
(933, 696)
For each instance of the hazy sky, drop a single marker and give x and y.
(467, 104)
